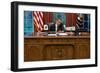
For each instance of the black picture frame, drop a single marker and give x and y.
(14, 35)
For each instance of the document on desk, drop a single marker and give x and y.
(58, 34)
(62, 34)
(52, 34)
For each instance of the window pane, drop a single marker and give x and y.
(85, 25)
(61, 16)
(27, 14)
(85, 17)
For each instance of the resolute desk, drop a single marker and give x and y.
(44, 48)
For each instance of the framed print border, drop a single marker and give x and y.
(15, 33)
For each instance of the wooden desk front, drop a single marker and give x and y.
(56, 48)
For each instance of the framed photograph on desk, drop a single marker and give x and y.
(69, 39)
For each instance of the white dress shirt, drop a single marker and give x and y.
(56, 27)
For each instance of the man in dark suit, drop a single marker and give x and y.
(57, 26)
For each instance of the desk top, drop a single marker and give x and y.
(57, 37)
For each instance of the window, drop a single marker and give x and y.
(28, 23)
(86, 22)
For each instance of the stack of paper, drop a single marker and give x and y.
(52, 34)
(62, 34)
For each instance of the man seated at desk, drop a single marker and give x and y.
(57, 26)
(53, 29)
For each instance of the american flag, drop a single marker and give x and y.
(38, 20)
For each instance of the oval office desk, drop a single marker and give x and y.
(43, 48)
